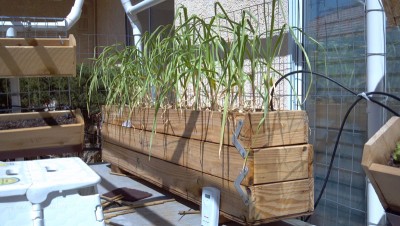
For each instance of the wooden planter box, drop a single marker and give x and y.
(29, 57)
(37, 141)
(185, 157)
(385, 179)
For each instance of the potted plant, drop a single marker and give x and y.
(377, 154)
(176, 114)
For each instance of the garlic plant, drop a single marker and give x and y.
(197, 64)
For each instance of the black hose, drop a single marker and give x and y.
(367, 96)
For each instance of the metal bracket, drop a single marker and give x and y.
(239, 179)
(245, 170)
(235, 140)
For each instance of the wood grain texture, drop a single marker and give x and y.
(392, 11)
(38, 41)
(288, 199)
(265, 165)
(279, 128)
(194, 154)
(284, 163)
(388, 180)
(283, 198)
(376, 154)
(32, 57)
(45, 136)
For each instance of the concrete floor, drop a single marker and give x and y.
(166, 214)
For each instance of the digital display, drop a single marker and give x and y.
(207, 196)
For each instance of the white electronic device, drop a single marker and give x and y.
(210, 206)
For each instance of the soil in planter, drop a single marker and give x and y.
(37, 122)
(395, 153)
(393, 163)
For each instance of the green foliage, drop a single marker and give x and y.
(79, 96)
(197, 64)
(396, 152)
(69, 92)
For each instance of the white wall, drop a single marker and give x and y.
(205, 9)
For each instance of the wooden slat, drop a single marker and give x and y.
(45, 136)
(265, 165)
(282, 163)
(383, 140)
(33, 115)
(280, 127)
(37, 57)
(268, 202)
(387, 178)
(34, 42)
(276, 199)
(71, 41)
(36, 61)
(195, 154)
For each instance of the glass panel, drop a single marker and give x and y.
(339, 27)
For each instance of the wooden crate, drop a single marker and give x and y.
(35, 141)
(30, 57)
(385, 179)
(268, 202)
(186, 143)
(266, 165)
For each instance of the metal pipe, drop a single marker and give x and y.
(74, 15)
(376, 61)
(62, 25)
(135, 9)
(132, 11)
(294, 88)
(21, 26)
